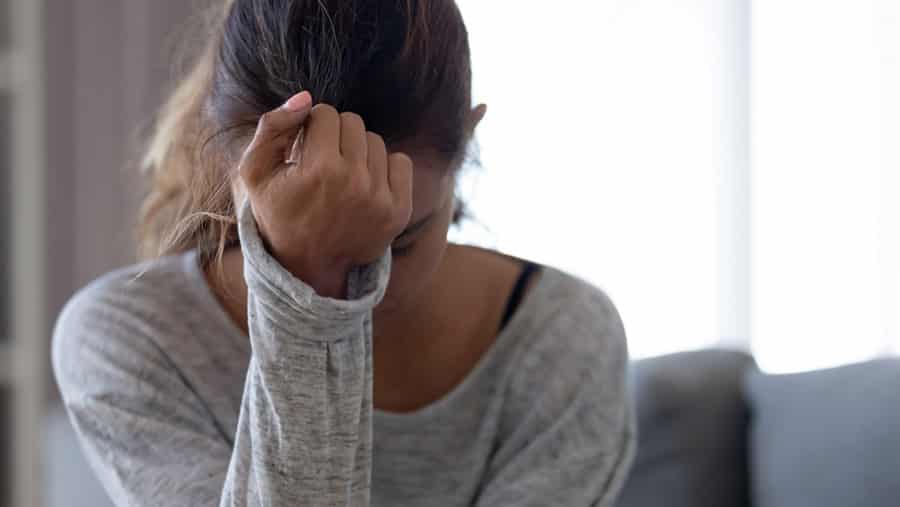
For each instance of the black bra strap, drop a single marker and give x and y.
(516, 296)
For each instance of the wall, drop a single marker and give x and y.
(108, 64)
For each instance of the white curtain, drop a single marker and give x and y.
(826, 235)
(718, 198)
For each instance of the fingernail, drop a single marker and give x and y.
(298, 102)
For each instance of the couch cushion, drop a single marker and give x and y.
(826, 438)
(692, 431)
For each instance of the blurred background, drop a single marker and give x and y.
(726, 170)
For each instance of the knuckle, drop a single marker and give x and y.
(324, 166)
(314, 175)
(350, 117)
(361, 172)
(265, 122)
(323, 110)
(401, 160)
(337, 165)
(374, 140)
(332, 169)
(361, 184)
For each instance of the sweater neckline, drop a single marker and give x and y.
(525, 316)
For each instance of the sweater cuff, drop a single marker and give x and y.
(272, 282)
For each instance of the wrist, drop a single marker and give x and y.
(327, 279)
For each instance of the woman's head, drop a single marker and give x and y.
(402, 65)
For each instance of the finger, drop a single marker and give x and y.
(377, 161)
(274, 131)
(353, 139)
(322, 133)
(400, 177)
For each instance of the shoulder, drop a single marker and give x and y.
(573, 348)
(112, 326)
(577, 326)
(135, 296)
(568, 383)
(562, 317)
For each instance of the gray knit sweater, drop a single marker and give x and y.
(174, 405)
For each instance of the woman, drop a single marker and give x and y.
(296, 246)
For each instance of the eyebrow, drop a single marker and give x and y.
(416, 226)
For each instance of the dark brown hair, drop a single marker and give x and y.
(402, 65)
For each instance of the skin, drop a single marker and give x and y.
(444, 301)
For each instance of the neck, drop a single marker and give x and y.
(422, 316)
(399, 329)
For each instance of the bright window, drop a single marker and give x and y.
(826, 155)
(619, 145)
(601, 148)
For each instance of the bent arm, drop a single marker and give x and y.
(304, 429)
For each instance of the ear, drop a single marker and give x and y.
(475, 116)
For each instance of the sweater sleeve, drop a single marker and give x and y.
(304, 433)
(305, 428)
(570, 433)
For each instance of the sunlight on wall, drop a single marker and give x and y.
(609, 129)
(601, 148)
(826, 232)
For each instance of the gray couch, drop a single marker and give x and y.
(714, 432)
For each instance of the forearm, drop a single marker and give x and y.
(304, 433)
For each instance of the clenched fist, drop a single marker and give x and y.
(339, 203)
